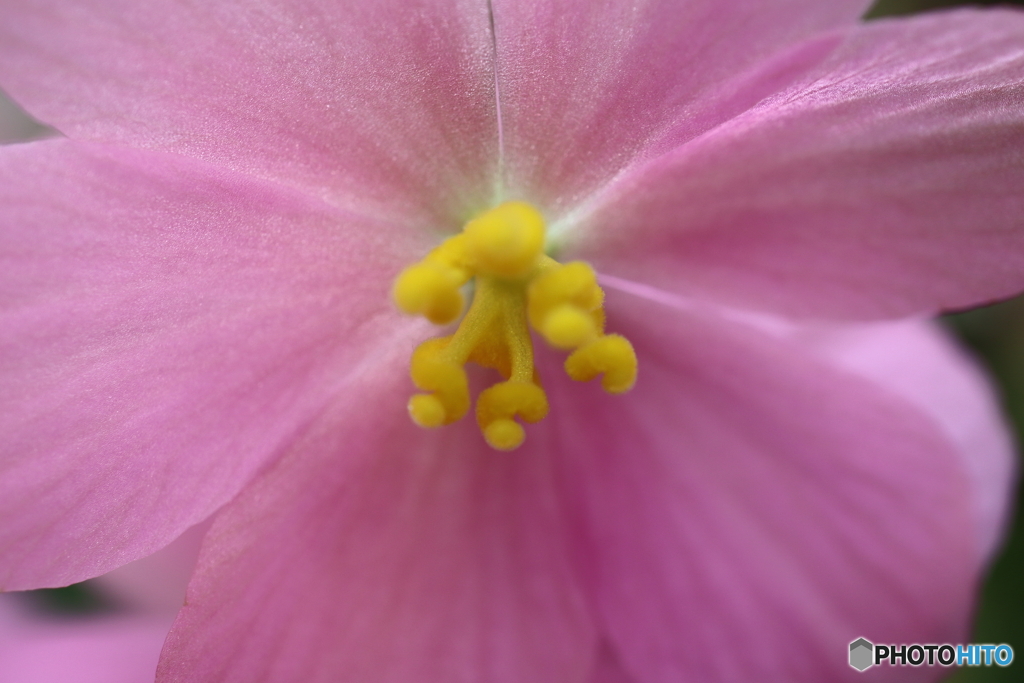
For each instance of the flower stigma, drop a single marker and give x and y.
(516, 287)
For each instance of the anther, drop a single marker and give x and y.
(567, 327)
(565, 304)
(433, 371)
(427, 411)
(517, 287)
(430, 290)
(500, 403)
(612, 356)
(507, 240)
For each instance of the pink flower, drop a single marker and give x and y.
(196, 316)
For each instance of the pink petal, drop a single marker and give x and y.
(379, 552)
(587, 86)
(886, 182)
(121, 649)
(389, 103)
(607, 668)
(750, 509)
(923, 365)
(165, 329)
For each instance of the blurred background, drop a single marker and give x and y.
(995, 333)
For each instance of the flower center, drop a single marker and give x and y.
(516, 287)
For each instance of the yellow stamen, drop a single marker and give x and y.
(516, 287)
(497, 406)
(565, 305)
(612, 356)
(506, 240)
(433, 369)
(430, 290)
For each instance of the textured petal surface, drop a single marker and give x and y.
(117, 649)
(379, 552)
(388, 102)
(886, 182)
(748, 510)
(165, 329)
(586, 86)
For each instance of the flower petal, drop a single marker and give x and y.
(887, 182)
(377, 551)
(587, 86)
(164, 329)
(922, 364)
(388, 103)
(607, 668)
(749, 510)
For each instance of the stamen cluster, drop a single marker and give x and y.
(517, 287)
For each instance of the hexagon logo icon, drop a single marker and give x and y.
(860, 654)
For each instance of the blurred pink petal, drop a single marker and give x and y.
(885, 182)
(183, 331)
(376, 552)
(726, 503)
(607, 669)
(749, 495)
(312, 93)
(114, 649)
(122, 647)
(920, 363)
